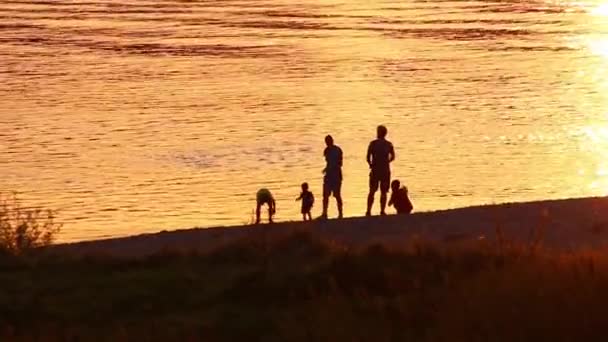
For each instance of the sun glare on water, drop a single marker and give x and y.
(597, 43)
(599, 47)
(596, 134)
(601, 10)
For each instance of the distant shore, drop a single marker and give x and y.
(564, 224)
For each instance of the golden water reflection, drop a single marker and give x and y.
(145, 115)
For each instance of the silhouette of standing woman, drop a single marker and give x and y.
(332, 182)
(380, 154)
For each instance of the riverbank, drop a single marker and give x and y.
(465, 274)
(304, 287)
(563, 224)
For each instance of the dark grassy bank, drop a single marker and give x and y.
(302, 288)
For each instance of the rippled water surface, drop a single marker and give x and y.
(134, 116)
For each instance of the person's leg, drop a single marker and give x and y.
(383, 195)
(270, 213)
(370, 202)
(258, 207)
(338, 196)
(326, 193)
(373, 187)
(385, 184)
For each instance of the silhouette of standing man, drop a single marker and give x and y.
(380, 154)
(332, 182)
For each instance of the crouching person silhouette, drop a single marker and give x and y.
(399, 198)
(264, 196)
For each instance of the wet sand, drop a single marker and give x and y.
(564, 224)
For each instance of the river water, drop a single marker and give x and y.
(135, 116)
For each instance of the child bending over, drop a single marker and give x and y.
(264, 197)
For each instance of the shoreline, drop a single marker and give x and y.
(565, 224)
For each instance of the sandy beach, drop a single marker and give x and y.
(568, 224)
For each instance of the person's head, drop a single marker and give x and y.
(329, 140)
(395, 185)
(304, 186)
(382, 132)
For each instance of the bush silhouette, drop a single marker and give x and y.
(24, 229)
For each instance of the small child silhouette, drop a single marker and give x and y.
(399, 198)
(308, 199)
